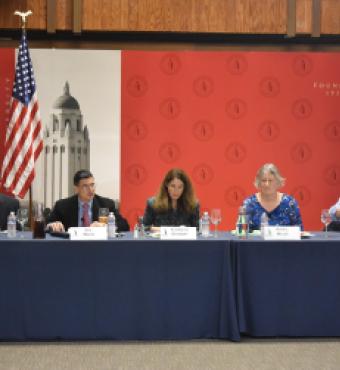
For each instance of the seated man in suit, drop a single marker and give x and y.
(7, 205)
(82, 208)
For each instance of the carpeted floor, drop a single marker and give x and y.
(257, 354)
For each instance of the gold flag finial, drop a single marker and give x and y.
(23, 16)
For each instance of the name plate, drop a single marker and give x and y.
(88, 233)
(178, 233)
(282, 233)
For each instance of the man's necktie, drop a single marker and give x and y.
(86, 218)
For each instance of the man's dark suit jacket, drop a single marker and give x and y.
(7, 204)
(66, 211)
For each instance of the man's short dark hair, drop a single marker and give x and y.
(81, 174)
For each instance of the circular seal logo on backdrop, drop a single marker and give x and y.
(234, 196)
(202, 174)
(136, 174)
(269, 130)
(332, 131)
(331, 175)
(237, 64)
(236, 108)
(302, 65)
(170, 64)
(203, 130)
(301, 152)
(203, 86)
(302, 108)
(137, 130)
(169, 152)
(137, 86)
(170, 108)
(269, 87)
(235, 152)
(302, 195)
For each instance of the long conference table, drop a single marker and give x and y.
(148, 289)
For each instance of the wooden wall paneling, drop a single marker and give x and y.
(224, 16)
(90, 22)
(177, 13)
(129, 19)
(99, 15)
(262, 17)
(316, 18)
(152, 13)
(77, 16)
(36, 21)
(7, 9)
(64, 15)
(245, 16)
(330, 17)
(51, 16)
(203, 16)
(303, 16)
(230, 16)
(291, 18)
(217, 17)
(110, 16)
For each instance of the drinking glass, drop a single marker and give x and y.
(39, 222)
(22, 217)
(103, 215)
(326, 220)
(216, 219)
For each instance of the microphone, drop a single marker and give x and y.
(58, 234)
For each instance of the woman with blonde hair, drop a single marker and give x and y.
(175, 203)
(280, 208)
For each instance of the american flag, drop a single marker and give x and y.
(24, 140)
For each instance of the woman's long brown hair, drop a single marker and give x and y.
(187, 201)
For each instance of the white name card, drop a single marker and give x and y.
(281, 233)
(88, 233)
(178, 233)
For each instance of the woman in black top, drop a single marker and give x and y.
(174, 205)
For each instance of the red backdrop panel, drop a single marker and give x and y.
(221, 115)
(7, 58)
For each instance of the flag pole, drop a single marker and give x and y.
(23, 16)
(24, 135)
(30, 208)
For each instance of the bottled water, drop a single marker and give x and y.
(205, 224)
(136, 231)
(200, 226)
(264, 222)
(11, 225)
(111, 225)
(141, 228)
(242, 226)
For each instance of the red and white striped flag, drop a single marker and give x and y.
(24, 138)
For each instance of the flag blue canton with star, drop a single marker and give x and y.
(24, 85)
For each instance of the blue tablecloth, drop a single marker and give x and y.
(120, 289)
(288, 288)
(129, 289)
